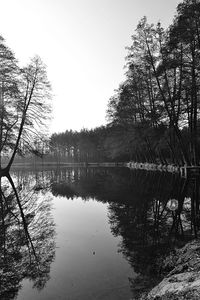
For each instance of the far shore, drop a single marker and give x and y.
(184, 171)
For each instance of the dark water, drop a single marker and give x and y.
(89, 233)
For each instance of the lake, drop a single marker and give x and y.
(87, 233)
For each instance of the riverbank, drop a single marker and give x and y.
(153, 167)
(65, 164)
(181, 271)
(184, 171)
(131, 164)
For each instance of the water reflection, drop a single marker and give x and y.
(27, 235)
(138, 212)
(138, 197)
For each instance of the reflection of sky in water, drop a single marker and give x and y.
(87, 264)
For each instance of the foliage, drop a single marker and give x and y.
(154, 114)
(24, 103)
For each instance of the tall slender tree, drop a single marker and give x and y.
(24, 104)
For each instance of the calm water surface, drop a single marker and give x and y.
(87, 263)
(84, 233)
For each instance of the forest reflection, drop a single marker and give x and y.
(27, 234)
(138, 197)
(139, 211)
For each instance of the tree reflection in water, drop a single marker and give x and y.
(27, 234)
(139, 212)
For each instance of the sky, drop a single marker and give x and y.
(82, 42)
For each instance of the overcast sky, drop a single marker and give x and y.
(82, 42)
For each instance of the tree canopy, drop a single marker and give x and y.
(24, 104)
(161, 88)
(154, 114)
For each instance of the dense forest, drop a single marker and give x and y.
(153, 115)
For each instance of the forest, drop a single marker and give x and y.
(153, 116)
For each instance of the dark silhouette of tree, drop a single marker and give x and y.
(24, 106)
(162, 87)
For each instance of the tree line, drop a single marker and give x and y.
(101, 144)
(153, 115)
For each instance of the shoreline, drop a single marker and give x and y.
(131, 165)
(181, 280)
(184, 171)
(154, 167)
